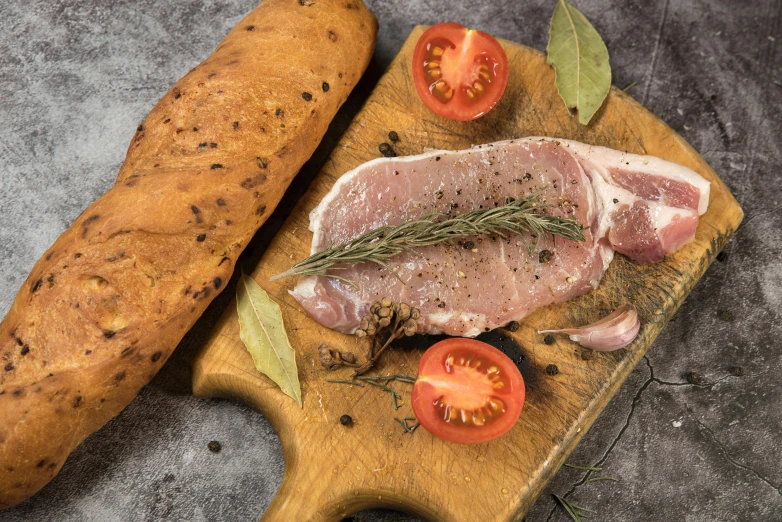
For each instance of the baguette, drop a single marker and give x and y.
(107, 304)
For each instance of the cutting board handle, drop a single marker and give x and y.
(315, 488)
(300, 500)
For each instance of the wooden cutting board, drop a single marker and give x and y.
(332, 471)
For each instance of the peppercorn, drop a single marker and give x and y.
(393, 136)
(726, 316)
(386, 150)
(325, 87)
(737, 371)
(468, 245)
(544, 256)
(513, 326)
(214, 446)
(307, 96)
(722, 257)
(346, 420)
(549, 339)
(552, 369)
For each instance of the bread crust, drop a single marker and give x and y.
(107, 304)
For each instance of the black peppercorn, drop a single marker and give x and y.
(545, 256)
(722, 257)
(737, 371)
(386, 150)
(307, 96)
(726, 316)
(549, 339)
(346, 420)
(325, 87)
(214, 446)
(552, 369)
(468, 245)
(513, 326)
(393, 136)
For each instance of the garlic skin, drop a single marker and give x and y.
(612, 332)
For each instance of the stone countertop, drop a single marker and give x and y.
(76, 78)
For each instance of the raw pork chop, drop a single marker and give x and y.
(641, 206)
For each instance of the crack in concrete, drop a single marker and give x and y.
(657, 41)
(669, 383)
(760, 213)
(727, 455)
(586, 475)
(636, 399)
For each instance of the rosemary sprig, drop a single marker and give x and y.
(586, 468)
(345, 381)
(409, 428)
(593, 479)
(394, 395)
(381, 244)
(395, 377)
(574, 510)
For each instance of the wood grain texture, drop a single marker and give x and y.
(332, 471)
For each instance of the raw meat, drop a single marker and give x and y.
(641, 206)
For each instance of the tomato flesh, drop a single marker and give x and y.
(467, 391)
(459, 73)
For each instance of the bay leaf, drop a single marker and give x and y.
(263, 333)
(580, 58)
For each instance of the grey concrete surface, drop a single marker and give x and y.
(77, 76)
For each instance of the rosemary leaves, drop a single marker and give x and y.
(381, 244)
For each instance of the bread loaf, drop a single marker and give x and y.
(106, 305)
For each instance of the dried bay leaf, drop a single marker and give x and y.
(263, 334)
(580, 59)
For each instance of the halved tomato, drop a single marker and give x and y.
(467, 391)
(459, 73)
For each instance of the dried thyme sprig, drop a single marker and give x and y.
(381, 244)
(399, 319)
(331, 358)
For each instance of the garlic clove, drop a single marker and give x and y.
(612, 332)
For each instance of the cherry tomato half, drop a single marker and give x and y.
(467, 391)
(459, 73)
